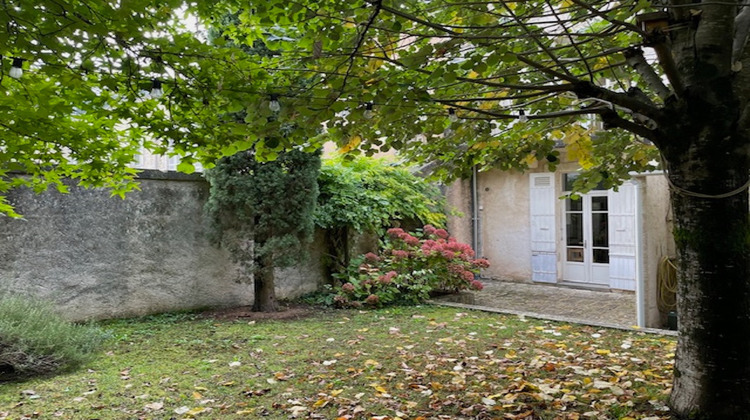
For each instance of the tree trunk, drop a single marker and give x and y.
(712, 364)
(337, 242)
(263, 281)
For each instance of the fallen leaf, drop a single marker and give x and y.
(154, 406)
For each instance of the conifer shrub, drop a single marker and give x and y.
(35, 341)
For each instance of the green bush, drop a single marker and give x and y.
(409, 267)
(35, 341)
(366, 195)
(369, 194)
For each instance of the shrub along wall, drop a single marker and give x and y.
(98, 256)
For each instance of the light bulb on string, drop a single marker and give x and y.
(448, 132)
(369, 113)
(16, 69)
(156, 90)
(452, 116)
(274, 104)
(522, 118)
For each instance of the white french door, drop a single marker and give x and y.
(586, 236)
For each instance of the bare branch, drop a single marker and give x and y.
(635, 59)
(610, 118)
(741, 31)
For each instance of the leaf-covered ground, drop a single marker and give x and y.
(409, 363)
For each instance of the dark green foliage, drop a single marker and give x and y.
(35, 341)
(262, 211)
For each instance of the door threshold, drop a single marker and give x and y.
(585, 286)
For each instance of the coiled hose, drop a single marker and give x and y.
(666, 279)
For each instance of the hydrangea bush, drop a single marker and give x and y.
(408, 267)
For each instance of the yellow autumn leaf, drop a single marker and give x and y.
(195, 411)
(200, 388)
(370, 362)
(354, 141)
(510, 354)
(601, 63)
(197, 395)
(380, 389)
(320, 403)
(602, 351)
(336, 392)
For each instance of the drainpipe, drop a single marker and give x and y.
(476, 235)
(640, 287)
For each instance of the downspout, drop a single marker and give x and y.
(640, 287)
(476, 236)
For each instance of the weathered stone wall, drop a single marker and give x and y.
(98, 256)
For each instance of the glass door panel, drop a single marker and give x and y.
(587, 239)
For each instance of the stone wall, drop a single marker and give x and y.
(98, 256)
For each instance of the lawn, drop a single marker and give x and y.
(412, 363)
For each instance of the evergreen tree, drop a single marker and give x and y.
(262, 213)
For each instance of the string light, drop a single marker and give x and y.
(369, 113)
(274, 104)
(452, 116)
(16, 69)
(522, 118)
(156, 90)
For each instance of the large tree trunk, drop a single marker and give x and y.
(264, 287)
(712, 365)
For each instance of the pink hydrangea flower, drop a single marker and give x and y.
(371, 257)
(477, 285)
(441, 233)
(395, 232)
(429, 229)
(481, 263)
(411, 240)
(372, 300)
(399, 253)
(447, 254)
(468, 276)
(347, 287)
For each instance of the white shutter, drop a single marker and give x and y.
(622, 239)
(542, 207)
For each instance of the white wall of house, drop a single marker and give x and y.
(524, 242)
(148, 160)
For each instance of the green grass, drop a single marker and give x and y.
(427, 362)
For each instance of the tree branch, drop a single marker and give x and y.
(741, 31)
(589, 90)
(610, 117)
(635, 59)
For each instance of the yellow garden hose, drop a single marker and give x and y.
(666, 279)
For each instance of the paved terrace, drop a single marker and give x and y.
(599, 308)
